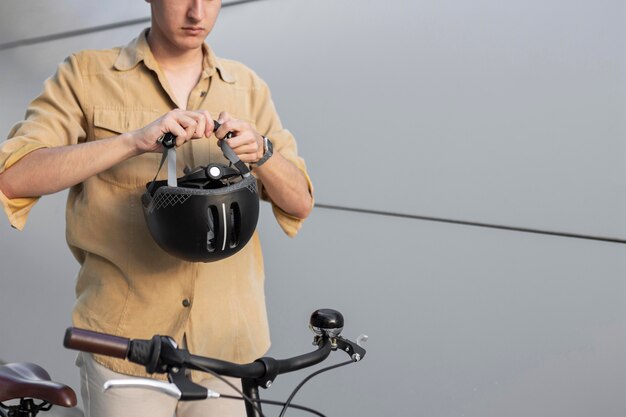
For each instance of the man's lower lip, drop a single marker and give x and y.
(193, 31)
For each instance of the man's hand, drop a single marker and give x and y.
(246, 142)
(185, 125)
(285, 184)
(65, 166)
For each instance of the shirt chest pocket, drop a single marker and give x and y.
(136, 171)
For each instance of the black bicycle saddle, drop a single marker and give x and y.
(28, 380)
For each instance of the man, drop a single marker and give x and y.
(94, 129)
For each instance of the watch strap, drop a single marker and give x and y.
(268, 149)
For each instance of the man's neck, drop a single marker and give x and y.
(171, 58)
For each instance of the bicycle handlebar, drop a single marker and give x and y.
(164, 354)
(94, 342)
(161, 354)
(261, 367)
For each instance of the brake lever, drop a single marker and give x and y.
(189, 390)
(164, 387)
(167, 388)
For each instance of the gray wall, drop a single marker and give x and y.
(489, 113)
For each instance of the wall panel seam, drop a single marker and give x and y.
(474, 224)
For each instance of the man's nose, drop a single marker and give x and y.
(196, 10)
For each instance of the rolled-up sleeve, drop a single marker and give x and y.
(268, 124)
(55, 118)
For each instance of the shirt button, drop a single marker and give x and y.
(186, 302)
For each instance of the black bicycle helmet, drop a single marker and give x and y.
(207, 215)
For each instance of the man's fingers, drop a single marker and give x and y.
(247, 141)
(225, 120)
(174, 127)
(208, 122)
(200, 125)
(243, 148)
(189, 134)
(182, 125)
(248, 158)
(205, 123)
(231, 125)
(224, 117)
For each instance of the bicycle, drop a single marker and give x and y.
(29, 383)
(162, 355)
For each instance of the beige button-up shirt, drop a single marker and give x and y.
(127, 285)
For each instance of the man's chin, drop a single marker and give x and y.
(190, 42)
(180, 48)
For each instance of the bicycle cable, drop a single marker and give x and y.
(287, 404)
(305, 380)
(278, 403)
(230, 384)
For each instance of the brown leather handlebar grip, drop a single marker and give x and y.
(94, 342)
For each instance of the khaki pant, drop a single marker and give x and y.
(137, 402)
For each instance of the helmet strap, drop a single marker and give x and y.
(169, 153)
(171, 167)
(163, 158)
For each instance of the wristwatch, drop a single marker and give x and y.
(268, 150)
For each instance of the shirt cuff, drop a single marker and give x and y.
(17, 209)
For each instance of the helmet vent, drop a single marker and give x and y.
(212, 226)
(235, 224)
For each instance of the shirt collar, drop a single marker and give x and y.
(138, 50)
